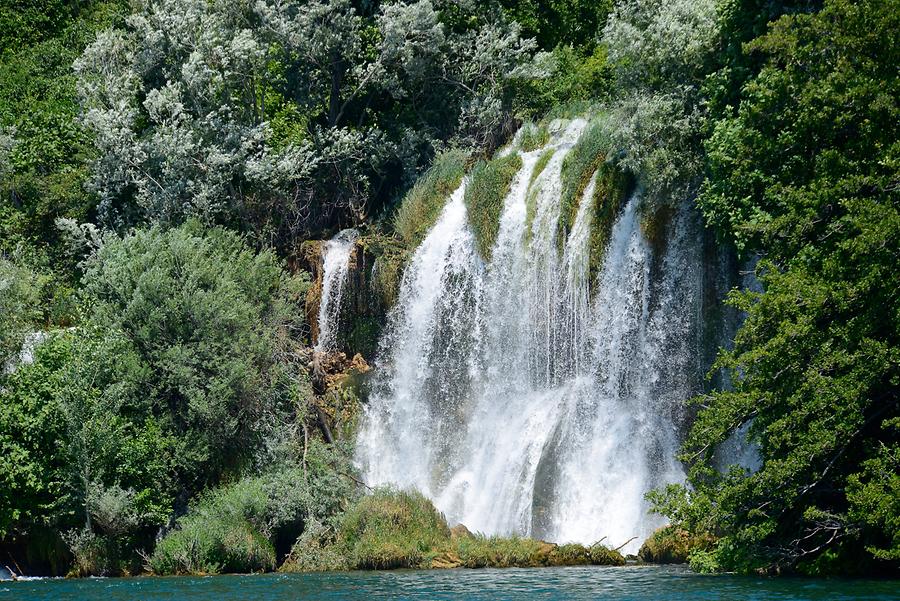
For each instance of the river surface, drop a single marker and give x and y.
(629, 583)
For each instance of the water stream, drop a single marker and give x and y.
(334, 276)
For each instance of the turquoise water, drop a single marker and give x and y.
(629, 583)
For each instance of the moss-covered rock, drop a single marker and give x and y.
(673, 545)
(488, 186)
(578, 167)
(531, 194)
(610, 193)
(534, 136)
(604, 556)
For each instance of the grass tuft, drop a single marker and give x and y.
(423, 203)
(488, 186)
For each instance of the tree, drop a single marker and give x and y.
(207, 319)
(806, 174)
(284, 118)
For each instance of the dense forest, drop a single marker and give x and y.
(164, 165)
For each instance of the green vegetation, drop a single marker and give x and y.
(532, 194)
(400, 529)
(534, 136)
(578, 167)
(250, 525)
(423, 203)
(163, 389)
(488, 187)
(610, 193)
(671, 544)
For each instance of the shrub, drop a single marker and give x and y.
(565, 77)
(423, 203)
(489, 184)
(211, 547)
(206, 317)
(20, 290)
(315, 551)
(246, 526)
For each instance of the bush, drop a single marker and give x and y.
(566, 77)
(489, 184)
(315, 551)
(19, 301)
(212, 547)
(248, 525)
(206, 317)
(423, 203)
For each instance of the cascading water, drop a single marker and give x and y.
(520, 397)
(334, 276)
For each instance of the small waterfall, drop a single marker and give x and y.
(334, 276)
(519, 400)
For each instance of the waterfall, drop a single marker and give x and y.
(334, 275)
(520, 396)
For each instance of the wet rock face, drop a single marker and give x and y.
(373, 269)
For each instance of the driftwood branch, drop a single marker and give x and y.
(357, 480)
(625, 543)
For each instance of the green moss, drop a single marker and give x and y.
(534, 136)
(610, 193)
(571, 554)
(364, 333)
(423, 203)
(577, 169)
(390, 257)
(531, 195)
(488, 186)
(480, 551)
(604, 556)
(655, 219)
